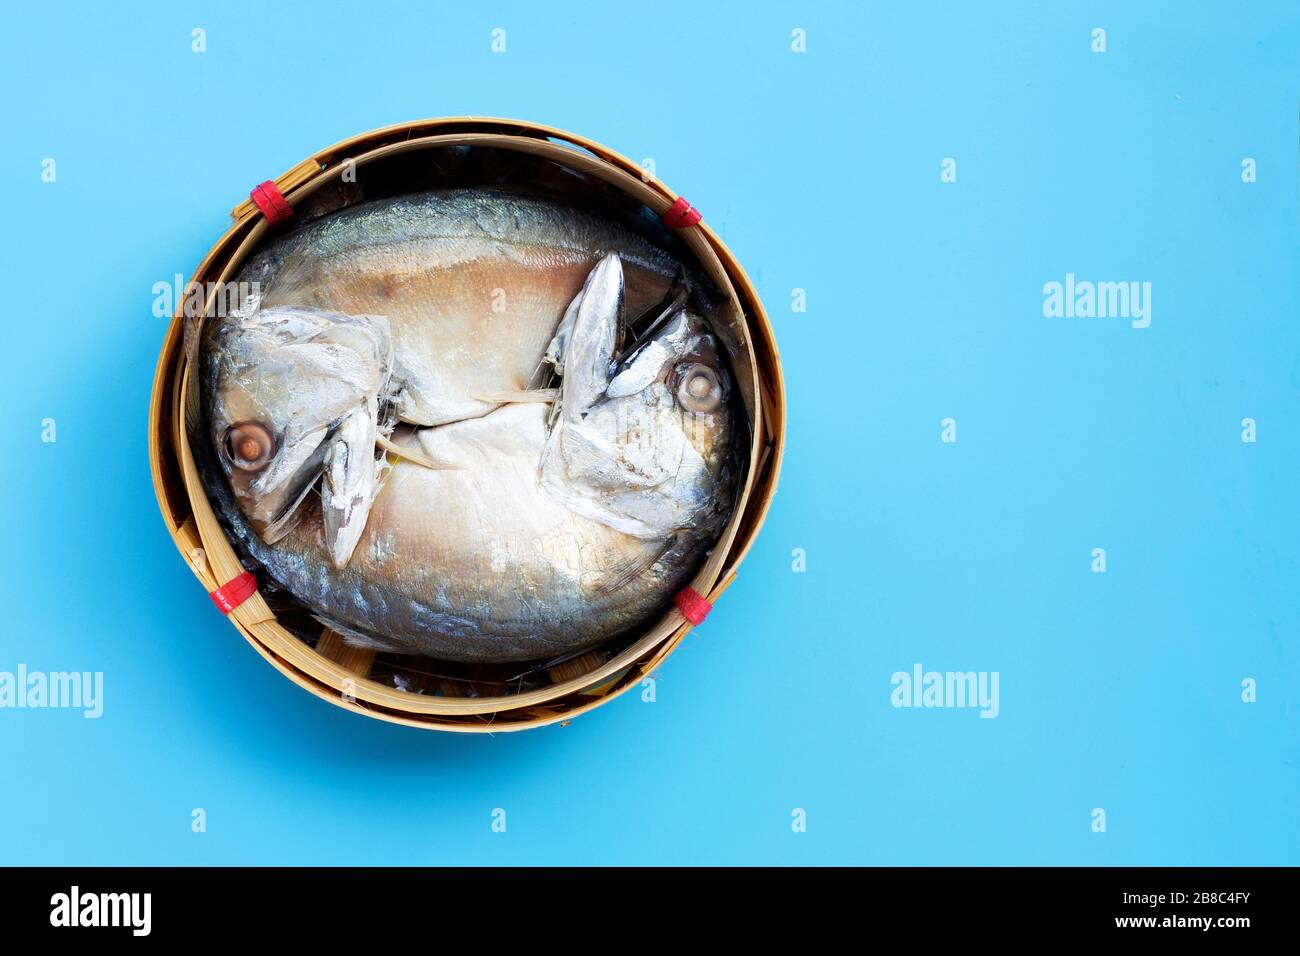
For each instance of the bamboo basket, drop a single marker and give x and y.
(356, 679)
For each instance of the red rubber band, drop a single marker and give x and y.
(693, 607)
(681, 215)
(234, 592)
(268, 198)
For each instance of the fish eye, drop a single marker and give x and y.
(249, 445)
(699, 389)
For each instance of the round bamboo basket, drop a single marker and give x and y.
(417, 691)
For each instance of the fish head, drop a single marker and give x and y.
(677, 374)
(293, 398)
(642, 442)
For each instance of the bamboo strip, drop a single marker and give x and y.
(576, 668)
(358, 660)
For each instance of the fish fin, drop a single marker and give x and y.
(411, 455)
(555, 352)
(293, 278)
(544, 375)
(633, 568)
(648, 323)
(508, 396)
(590, 348)
(355, 638)
(348, 483)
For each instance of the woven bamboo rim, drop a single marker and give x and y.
(338, 673)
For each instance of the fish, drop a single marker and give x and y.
(522, 432)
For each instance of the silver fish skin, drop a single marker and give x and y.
(545, 529)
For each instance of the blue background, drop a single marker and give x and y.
(821, 171)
